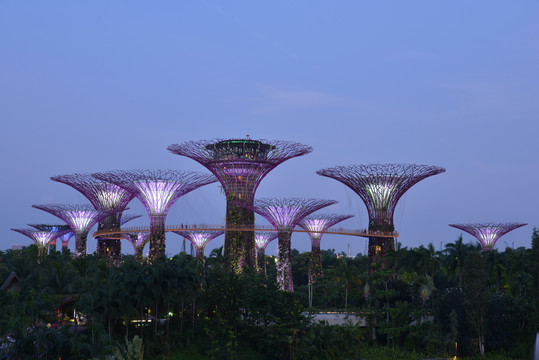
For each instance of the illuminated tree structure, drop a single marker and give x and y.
(158, 190)
(139, 241)
(80, 218)
(66, 231)
(240, 165)
(487, 233)
(380, 187)
(200, 238)
(104, 196)
(284, 214)
(262, 239)
(315, 225)
(41, 238)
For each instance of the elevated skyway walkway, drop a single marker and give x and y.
(117, 233)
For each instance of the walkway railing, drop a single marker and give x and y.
(187, 227)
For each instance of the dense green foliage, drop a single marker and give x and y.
(421, 303)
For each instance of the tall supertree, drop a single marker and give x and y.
(316, 225)
(66, 231)
(380, 187)
(158, 190)
(262, 239)
(42, 238)
(488, 233)
(139, 240)
(104, 196)
(284, 214)
(200, 238)
(240, 165)
(80, 218)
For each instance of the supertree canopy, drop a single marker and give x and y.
(66, 231)
(284, 214)
(262, 239)
(104, 196)
(200, 238)
(139, 241)
(488, 233)
(315, 225)
(42, 238)
(240, 165)
(380, 186)
(158, 190)
(79, 217)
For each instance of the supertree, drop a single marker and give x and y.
(240, 165)
(42, 238)
(200, 238)
(139, 240)
(104, 196)
(488, 233)
(79, 217)
(284, 214)
(65, 236)
(158, 190)
(262, 239)
(315, 225)
(380, 186)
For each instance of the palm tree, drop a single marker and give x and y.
(455, 254)
(348, 275)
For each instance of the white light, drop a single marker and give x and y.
(158, 194)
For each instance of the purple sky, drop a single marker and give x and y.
(96, 86)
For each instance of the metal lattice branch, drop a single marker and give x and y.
(488, 233)
(80, 217)
(284, 214)
(127, 218)
(103, 195)
(158, 190)
(240, 164)
(380, 186)
(200, 238)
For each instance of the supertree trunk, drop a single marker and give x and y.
(157, 238)
(239, 247)
(138, 254)
(380, 246)
(111, 248)
(315, 264)
(80, 243)
(261, 261)
(284, 262)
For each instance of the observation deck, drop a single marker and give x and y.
(117, 233)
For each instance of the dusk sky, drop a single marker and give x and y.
(97, 86)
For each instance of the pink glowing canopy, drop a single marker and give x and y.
(487, 233)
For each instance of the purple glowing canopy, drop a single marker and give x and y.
(80, 217)
(240, 164)
(263, 238)
(102, 195)
(316, 224)
(158, 190)
(285, 213)
(380, 186)
(42, 238)
(200, 238)
(487, 233)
